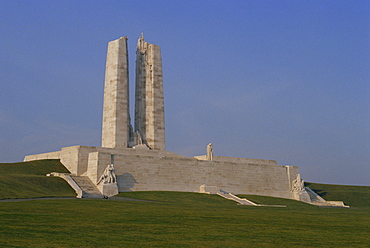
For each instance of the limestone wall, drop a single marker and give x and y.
(238, 160)
(164, 171)
(75, 158)
(47, 155)
(98, 161)
(151, 170)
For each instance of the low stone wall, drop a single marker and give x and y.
(238, 160)
(47, 155)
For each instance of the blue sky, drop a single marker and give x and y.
(282, 80)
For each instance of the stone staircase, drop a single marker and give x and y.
(206, 189)
(244, 201)
(241, 201)
(321, 202)
(88, 188)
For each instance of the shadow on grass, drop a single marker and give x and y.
(354, 196)
(320, 192)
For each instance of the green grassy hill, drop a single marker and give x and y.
(354, 196)
(175, 219)
(28, 180)
(169, 219)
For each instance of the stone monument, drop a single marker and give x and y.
(135, 159)
(116, 130)
(149, 102)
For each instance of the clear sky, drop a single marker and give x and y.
(281, 80)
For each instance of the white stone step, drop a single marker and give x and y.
(88, 187)
(241, 201)
(319, 201)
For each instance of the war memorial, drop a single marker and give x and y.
(133, 157)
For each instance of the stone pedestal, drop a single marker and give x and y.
(302, 196)
(141, 147)
(108, 189)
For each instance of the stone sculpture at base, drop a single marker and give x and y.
(299, 191)
(108, 176)
(139, 142)
(107, 183)
(298, 184)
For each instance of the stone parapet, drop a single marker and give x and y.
(238, 160)
(47, 155)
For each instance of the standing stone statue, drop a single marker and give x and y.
(139, 138)
(209, 152)
(108, 176)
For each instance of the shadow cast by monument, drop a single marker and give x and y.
(321, 193)
(126, 182)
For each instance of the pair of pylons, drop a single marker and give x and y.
(149, 130)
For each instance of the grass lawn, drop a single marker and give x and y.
(354, 196)
(28, 180)
(178, 220)
(174, 219)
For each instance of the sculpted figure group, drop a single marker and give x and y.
(108, 176)
(298, 184)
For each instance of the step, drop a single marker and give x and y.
(241, 201)
(88, 187)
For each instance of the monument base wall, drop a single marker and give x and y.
(151, 170)
(165, 171)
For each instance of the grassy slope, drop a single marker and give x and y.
(354, 196)
(178, 220)
(174, 220)
(28, 180)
